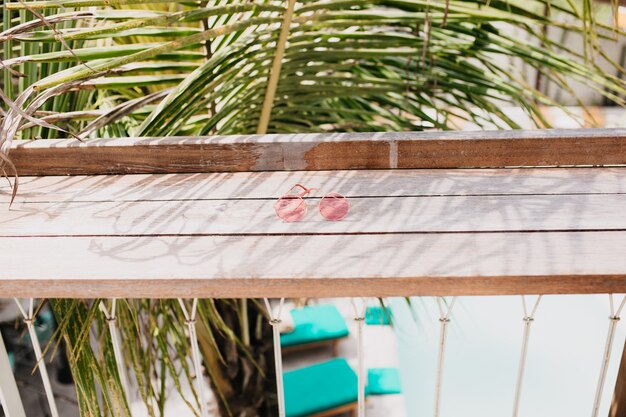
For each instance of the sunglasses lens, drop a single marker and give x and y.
(290, 208)
(334, 206)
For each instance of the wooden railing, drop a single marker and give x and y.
(425, 211)
(254, 153)
(542, 213)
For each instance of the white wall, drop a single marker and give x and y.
(574, 42)
(482, 356)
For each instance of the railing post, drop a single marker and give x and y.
(444, 320)
(190, 321)
(528, 321)
(9, 395)
(359, 317)
(114, 331)
(29, 320)
(606, 357)
(618, 404)
(275, 321)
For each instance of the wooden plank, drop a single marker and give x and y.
(590, 147)
(358, 183)
(314, 266)
(367, 216)
(330, 343)
(556, 148)
(343, 409)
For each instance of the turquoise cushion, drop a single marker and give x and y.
(315, 324)
(378, 316)
(319, 387)
(382, 381)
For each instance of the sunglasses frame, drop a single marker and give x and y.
(306, 191)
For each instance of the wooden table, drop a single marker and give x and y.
(410, 231)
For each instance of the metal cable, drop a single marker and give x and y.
(114, 331)
(10, 400)
(528, 320)
(29, 320)
(359, 317)
(190, 321)
(278, 359)
(606, 357)
(444, 320)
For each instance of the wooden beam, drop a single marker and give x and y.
(586, 147)
(313, 266)
(410, 232)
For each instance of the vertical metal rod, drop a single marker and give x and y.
(114, 331)
(278, 357)
(42, 368)
(444, 321)
(606, 357)
(360, 320)
(29, 320)
(443, 331)
(190, 320)
(9, 394)
(528, 320)
(605, 365)
(195, 349)
(280, 388)
(522, 365)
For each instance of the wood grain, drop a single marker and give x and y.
(577, 212)
(357, 183)
(410, 232)
(590, 147)
(314, 266)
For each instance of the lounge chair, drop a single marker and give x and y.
(383, 381)
(314, 326)
(378, 316)
(321, 390)
(330, 388)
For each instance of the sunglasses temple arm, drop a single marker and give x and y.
(306, 190)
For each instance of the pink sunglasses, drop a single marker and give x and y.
(292, 207)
